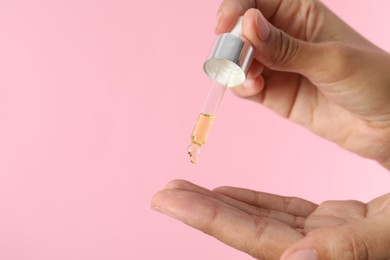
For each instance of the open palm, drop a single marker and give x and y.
(267, 226)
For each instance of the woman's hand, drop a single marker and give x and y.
(315, 70)
(269, 226)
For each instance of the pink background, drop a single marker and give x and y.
(97, 102)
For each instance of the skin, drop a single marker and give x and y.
(315, 70)
(268, 226)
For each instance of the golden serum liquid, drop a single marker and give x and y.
(199, 135)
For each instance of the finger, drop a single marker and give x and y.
(255, 70)
(188, 186)
(250, 88)
(253, 235)
(230, 10)
(377, 205)
(291, 205)
(313, 56)
(268, 8)
(288, 219)
(365, 239)
(254, 82)
(280, 51)
(283, 91)
(228, 13)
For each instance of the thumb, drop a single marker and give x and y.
(278, 50)
(363, 240)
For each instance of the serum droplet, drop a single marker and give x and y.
(193, 152)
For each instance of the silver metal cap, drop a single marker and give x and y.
(229, 60)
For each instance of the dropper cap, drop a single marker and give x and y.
(230, 58)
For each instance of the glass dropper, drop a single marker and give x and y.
(227, 66)
(205, 120)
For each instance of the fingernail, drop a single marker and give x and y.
(249, 83)
(263, 29)
(156, 208)
(306, 254)
(167, 212)
(218, 21)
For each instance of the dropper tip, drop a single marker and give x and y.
(193, 152)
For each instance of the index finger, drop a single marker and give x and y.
(228, 13)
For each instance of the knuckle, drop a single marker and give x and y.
(311, 7)
(286, 48)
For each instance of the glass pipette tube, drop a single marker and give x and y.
(205, 120)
